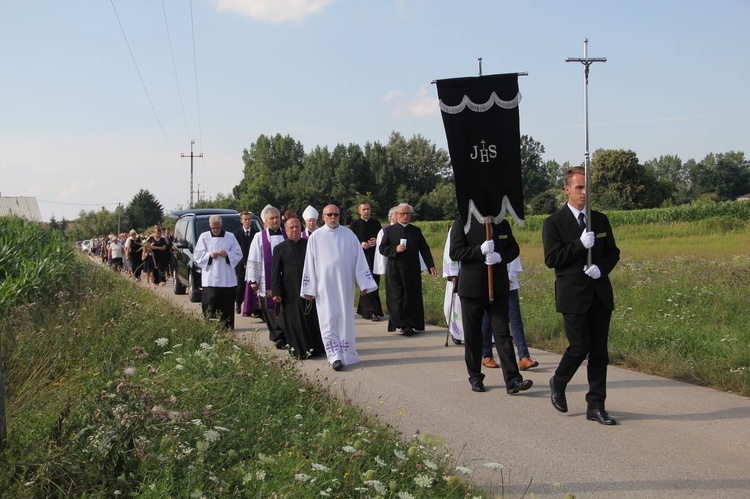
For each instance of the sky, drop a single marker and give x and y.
(101, 98)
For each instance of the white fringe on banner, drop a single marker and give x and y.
(480, 108)
(496, 219)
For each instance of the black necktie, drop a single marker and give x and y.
(581, 221)
(247, 233)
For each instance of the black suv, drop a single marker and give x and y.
(189, 226)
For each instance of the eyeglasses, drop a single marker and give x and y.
(403, 213)
(331, 214)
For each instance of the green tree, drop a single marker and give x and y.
(536, 176)
(620, 182)
(270, 175)
(143, 211)
(673, 177)
(725, 174)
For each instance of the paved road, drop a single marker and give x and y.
(674, 440)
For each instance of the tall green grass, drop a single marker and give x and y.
(112, 392)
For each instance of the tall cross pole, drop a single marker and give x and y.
(192, 141)
(586, 61)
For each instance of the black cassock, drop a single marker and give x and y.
(302, 331)
(403, 276)
(369, 304)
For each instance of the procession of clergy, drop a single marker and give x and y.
(301, 282)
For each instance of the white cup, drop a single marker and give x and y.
(403, 242)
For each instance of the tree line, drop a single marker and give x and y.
(278, 171)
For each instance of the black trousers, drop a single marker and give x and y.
(219, 303)
(588, 335)
(472, 310)
(239, 297)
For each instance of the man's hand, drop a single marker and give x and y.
(587, 239)
(488, 247)
(433, 271)
(308, 297)
(593, 272)
(276, 299)
(493, 258)
(254, 286)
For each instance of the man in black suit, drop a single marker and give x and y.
(244, 235)
(476, 253)
(583, 294)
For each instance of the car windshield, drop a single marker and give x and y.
(229, 224)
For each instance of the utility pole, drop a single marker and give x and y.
(586, 61)
(192, 141)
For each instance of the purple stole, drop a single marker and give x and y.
(252, 302)
(305, 235)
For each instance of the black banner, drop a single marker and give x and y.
(480, 115)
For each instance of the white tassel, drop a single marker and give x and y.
(482, 107)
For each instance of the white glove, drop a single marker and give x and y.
(493, 258)
(488, 247)
(587, 238)
(593, 272)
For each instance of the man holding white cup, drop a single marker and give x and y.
(402, 245)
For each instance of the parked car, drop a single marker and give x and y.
(188, 228)
(86, 246)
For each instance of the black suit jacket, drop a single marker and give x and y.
(563, 251)
(244, 244)
(466, 248)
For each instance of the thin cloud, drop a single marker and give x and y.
(274, 11)
(418, 105)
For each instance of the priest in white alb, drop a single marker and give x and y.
(217, 253)
(333, 262)
(258, 272)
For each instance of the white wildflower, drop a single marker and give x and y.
(320, 467)
(211, 436)
(430, 465)
(326, 493)
(196, 422)
(179, 367)
(301, 477)
(380, 462)
(298, 416)
(464, 470)
(377, 485)
(206, 346)
(263, 458)
(162, 342)
(400, 455)
(424, 480)
(493, 466)
(220, 428)
(404, 495)
(129, 371)
(349, 449)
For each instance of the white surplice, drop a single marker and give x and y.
(218, 272)
(452, 315)
(255, 270)
(334, 260)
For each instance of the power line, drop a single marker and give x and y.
(141, 77)
(197, 94)
(174, 67)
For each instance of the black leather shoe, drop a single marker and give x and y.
(477, 386)
(600, 416)
(455, 341)
(337, 365)
(238, 308)
(519, 386)
(408, 331)
(375, 318)
(280, 344)
(559, 401)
